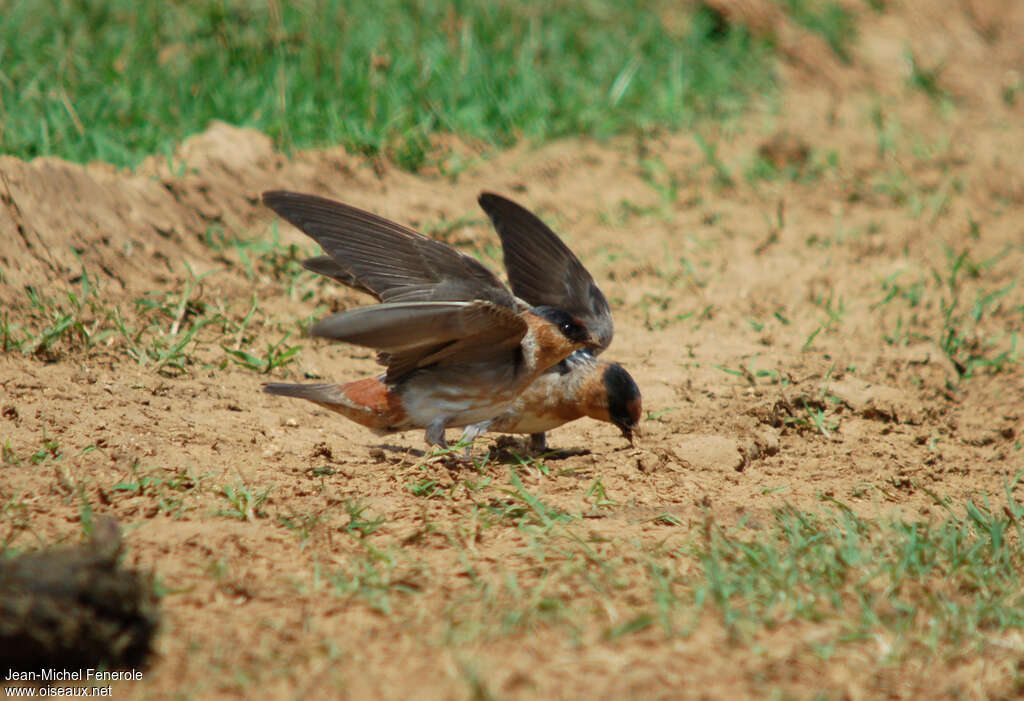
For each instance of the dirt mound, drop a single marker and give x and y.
(138, 230)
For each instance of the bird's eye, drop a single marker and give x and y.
(566, 327)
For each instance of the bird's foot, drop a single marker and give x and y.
(538, 443)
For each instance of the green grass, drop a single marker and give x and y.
(938, 583)
(832, 20)
(963, 308)
(905, 589)
(116, 80)
(170, 331)
(246, 502)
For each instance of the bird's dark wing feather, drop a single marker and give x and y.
(542, 269)
(416, 334)
(328, 267)
(391, 261)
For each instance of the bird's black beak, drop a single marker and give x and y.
(629, 432)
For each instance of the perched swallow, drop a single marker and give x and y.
(543, 271)
(458, 345)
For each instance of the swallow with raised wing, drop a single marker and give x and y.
(459, 347)
(542, 271)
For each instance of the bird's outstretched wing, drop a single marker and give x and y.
(542, 269)
(388, 260)
(328, 267)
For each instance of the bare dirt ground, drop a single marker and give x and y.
(796, 337)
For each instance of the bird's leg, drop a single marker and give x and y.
(538, 443)
(472, 432)
(539, 446)
(435, 433)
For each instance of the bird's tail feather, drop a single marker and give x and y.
(367, 402)
(327, 392)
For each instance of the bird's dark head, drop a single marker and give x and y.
(568, 325)
(625, 405)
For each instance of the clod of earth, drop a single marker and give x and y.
(74, 608)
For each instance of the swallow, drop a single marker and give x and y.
(542, 270)
(458, 345)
